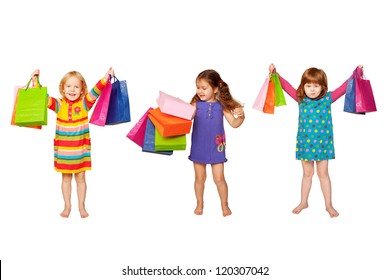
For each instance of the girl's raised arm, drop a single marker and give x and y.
(285, 85)
(288, 88)
(340, 91)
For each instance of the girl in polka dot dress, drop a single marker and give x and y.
(315, 131)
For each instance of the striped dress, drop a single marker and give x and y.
(72, 143)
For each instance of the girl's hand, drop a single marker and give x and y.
(35, 73)
(110, 73)
(271, 68)
(34, 76)
(239, 112)
(360, 69)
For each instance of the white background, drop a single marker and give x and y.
(140, 204)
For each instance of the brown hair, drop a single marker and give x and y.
(316, 76)
(223, 95)
(84, 88)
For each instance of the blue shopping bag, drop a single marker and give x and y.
(119, 106)
(350, 97)
(149, 140)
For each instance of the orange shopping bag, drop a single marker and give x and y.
(269, 105)
(168, 125)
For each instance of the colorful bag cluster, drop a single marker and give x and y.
(359, 97)
(163, 133)
(270, 95)
(113, 106)
(30, 106)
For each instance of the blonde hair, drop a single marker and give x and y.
(315, 76)
(67, 76)
(223, 95)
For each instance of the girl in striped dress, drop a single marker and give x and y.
(72, 144)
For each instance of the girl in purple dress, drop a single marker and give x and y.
(213, 101)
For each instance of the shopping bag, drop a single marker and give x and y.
(99, 114)
(175, 106)
(174, 143)
(260, 99)
(119, 108)
(137, 133)
(16, 90)
(269, 104)
(279, 95)
(149, 140)
(365, 101)
(350, 97)
(169, 125)
(31, 105)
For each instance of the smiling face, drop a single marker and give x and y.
(205, 91)
(72, 88)
(312, 90)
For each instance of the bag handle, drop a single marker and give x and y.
(36, 85)
(115, 79)
(361, 77)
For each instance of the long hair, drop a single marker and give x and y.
(223, 94)
(315, 76)
(84, 88)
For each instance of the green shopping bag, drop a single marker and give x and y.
(279, 95)
(169, 143)
(31, 106)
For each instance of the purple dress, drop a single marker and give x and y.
(208, 134)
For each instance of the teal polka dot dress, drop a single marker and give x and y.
(315, 130)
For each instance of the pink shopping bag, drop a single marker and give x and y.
(137, 133)
(100, 112)
(175, 106)
(261, 96)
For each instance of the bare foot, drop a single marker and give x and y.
(199, 209)
(65, 213)
(226, 211)
(83, 213)
(300, 207)
(332, 212)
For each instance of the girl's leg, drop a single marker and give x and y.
(219, 180)
(81, 193)
(66, 187)
(308, 172)
(326, 187)
(200, 179)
